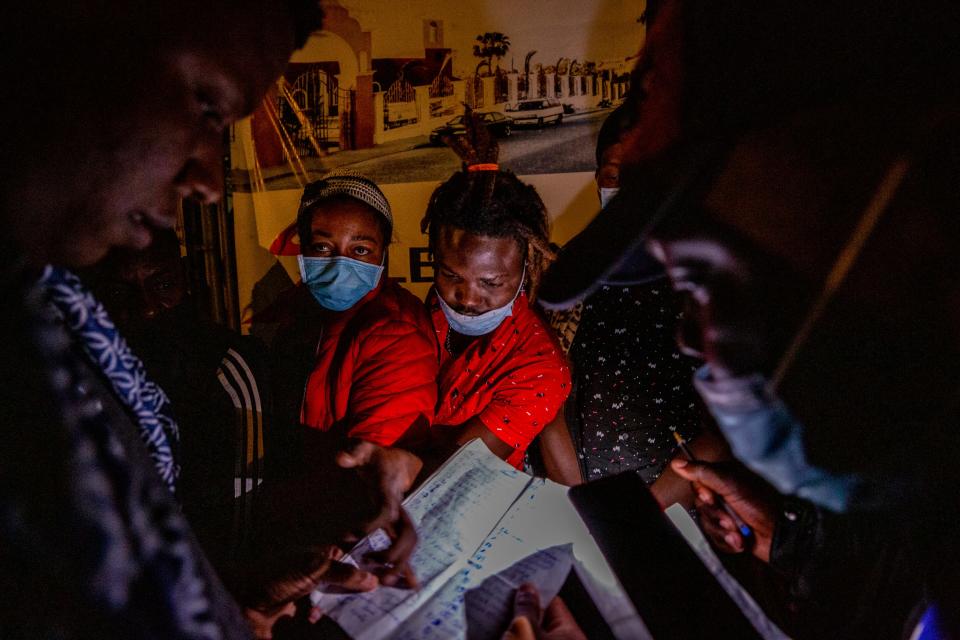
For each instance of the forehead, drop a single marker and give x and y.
(472, 253)
(239, 58)
(343, 214)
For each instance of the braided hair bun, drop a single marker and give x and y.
(484, 200)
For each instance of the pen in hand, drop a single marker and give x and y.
(742, 526)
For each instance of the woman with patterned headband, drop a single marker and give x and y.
(502, 376)
(356, 356)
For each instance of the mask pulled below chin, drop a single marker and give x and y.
(485, 322)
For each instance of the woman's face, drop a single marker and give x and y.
(345, 228)
(475, 274)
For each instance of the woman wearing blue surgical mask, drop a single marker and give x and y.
(502, 376)
(358, 358)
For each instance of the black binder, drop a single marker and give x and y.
(675, 594)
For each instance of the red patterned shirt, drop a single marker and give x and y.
(513, 379)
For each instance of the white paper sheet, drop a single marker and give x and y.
(489, 606)
(454, 510)
(477, 518)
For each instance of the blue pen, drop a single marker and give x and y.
(744, 528)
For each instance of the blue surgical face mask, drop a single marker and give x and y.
(606, 195)
(485, 322)
(766, 438)
(338, 283)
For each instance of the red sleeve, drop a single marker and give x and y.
(527, 399)
(394, 385)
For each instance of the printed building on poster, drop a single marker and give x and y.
(353, 87)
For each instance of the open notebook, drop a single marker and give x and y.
(484, 529)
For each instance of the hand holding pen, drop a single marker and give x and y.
(742, 526)
(737, 508)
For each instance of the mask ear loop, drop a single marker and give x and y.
(878, 205)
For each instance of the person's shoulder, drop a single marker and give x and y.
(393, 304)
(394, 311)
(241, 366)
(285, 308)
(403, 300)
(535, 362)
(533, 328)
(246, 348)
(535, 347)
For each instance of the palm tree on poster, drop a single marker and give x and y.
(490, 46)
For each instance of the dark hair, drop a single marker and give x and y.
(493, 203)
(612, 128)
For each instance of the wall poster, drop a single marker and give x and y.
(373, 90)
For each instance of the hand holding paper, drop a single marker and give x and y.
(532, 622)
(389, 473)
(272, 587)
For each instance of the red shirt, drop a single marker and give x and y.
(513, 379)
(376, 368)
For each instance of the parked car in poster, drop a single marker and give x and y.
(495, 122)
(537, 112)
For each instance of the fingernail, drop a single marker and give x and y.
(524, 596)
(732, 540)
(679, 463)
(704, 495)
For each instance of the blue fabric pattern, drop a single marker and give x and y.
(107, 533)
(88, 319)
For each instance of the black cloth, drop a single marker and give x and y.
(218, 386)
(632, 386)
(298, 328)
(92, 543)
(854, 575)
